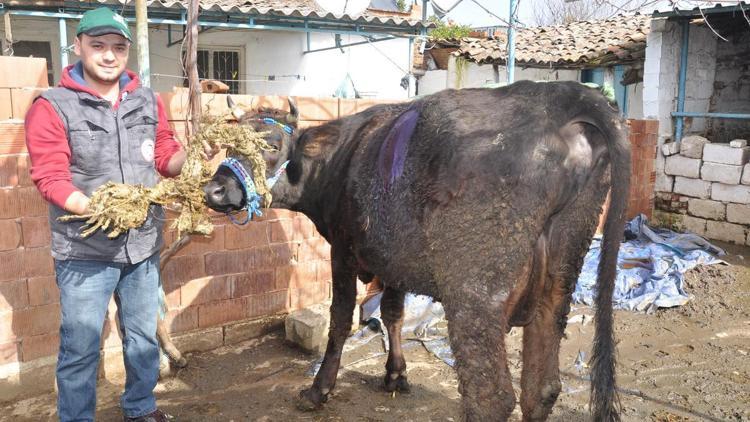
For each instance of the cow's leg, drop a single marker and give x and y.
(342, 310)
(569, 238)
(392, 312)
(477, 337)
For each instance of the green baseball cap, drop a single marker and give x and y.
(103, 21)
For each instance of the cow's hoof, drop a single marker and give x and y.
(311, 399)
(396, 382)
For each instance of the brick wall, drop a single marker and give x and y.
(274, 264)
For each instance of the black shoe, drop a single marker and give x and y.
(155, 416)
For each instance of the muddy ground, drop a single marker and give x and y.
(683, 364)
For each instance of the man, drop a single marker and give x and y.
(101, 125)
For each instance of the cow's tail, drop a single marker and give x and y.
(604, 401)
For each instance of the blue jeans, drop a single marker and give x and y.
(85, 290)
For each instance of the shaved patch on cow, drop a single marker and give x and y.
(393, 149)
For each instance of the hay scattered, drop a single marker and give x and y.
(119, 207)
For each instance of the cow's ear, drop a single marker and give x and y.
(316, 140)
(293, 115)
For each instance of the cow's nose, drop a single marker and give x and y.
(215, 193)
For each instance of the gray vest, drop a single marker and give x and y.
(107, 145)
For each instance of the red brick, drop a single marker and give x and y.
(176, 103)
(36, 347)
(221, 312)
(228, 262)
(250, 235)
(24, 170)
(251, 283)
(43, 291)
(305, 273)
(272, 214)
(37, 262)
(12, 138)
(181, 269)
(12, 268)
(13, 295)
(267, 304)
(10, 234)
(282, 231)
(182, 319)
(324, 271)
(22, 99)
(200, 245)
(205, 289)
(303, 228)
(36, 321)
(31, 202)
(317, 108)
(311, 294)
(174, 298)
(6, 109)
(9, 206)
(17, 72)
(9, 170)
(36, 231)
(10, 352)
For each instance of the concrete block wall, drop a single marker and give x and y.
(215, 286)
(711, 191)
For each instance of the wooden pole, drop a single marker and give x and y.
(141, 30)
(191, 58)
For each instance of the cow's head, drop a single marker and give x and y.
(224, 193)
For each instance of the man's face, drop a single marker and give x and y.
(104, 57)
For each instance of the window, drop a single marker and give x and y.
(221, 63)
(40, 49)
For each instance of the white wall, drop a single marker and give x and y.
(265, 53)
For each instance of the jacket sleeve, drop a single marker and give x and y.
(166, 145)
(47, 143)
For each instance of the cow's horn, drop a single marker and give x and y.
(237, 112)
(293, 115)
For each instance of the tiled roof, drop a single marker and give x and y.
(280, 8)
(587, 43)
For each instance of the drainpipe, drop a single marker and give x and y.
(141, 30)
(63, 43)
(682, 78)
(511, 62)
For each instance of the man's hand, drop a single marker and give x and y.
(77, 203)
(209, 152)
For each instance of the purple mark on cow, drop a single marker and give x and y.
(393, 149)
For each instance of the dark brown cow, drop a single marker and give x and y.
(485, 199)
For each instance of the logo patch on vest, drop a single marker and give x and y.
(147, 150)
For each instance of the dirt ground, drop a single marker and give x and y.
(682, 364)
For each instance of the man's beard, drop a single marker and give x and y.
(91, 73)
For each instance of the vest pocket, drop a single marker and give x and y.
(93, 147)
(142, 140)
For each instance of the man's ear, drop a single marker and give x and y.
(77, 45)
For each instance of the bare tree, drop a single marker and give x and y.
(561, 12)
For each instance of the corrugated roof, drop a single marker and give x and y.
(579, 44)
(280, 8)
(690, 7)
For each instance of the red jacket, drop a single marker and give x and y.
(47, 142)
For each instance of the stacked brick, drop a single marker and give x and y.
(710, 195)
(217, 287)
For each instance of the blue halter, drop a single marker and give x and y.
(252, 199)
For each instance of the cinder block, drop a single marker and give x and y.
(199, 341)
(664, 182)
(22, 98)
(677, 165)
(692, 187)
(746, 175)
(308, 328)
(737, 213)
(727, 232)
(222, 312)
(706, 208)
(12, 138)
(738, 143)
(241, 331)
(6, 109)
(36, 231)
(692, 146)
(738, 194)
(670, 148)
(724, 173)
(13, 297)
(43, 291)
(725, 154)
(694, 225)
(36, 347)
